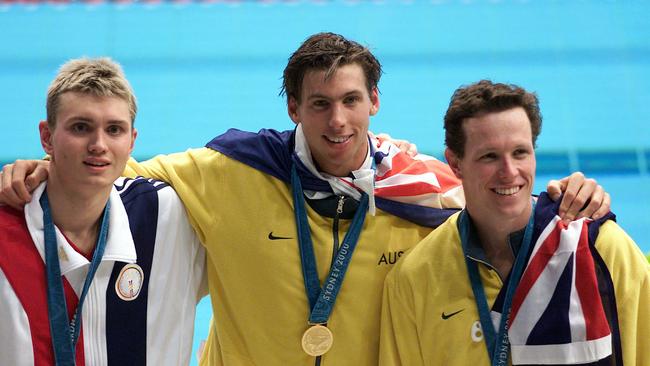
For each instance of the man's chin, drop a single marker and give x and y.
(99, 181)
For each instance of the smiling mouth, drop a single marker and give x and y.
(99, 165)
(339, 139)
(507, 191)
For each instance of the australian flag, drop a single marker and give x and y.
(557, 316)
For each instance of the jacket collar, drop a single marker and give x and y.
(119, 246)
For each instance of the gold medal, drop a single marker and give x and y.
(317, 340)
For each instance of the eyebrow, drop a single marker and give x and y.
(347, 94)
(119, 121)
(82, 118)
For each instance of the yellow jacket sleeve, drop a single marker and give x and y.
(630, 272)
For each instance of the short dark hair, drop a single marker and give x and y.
(327, 51)
(486, 97)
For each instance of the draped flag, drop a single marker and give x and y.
(557, 315)
(421, 180)
(423, 189)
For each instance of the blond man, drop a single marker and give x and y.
(83, 279)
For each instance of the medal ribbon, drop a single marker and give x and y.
(321, 300)
(497, 344)
(66, 333)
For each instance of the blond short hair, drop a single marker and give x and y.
(101, 77)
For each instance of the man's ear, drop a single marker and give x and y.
(46, 137)
(454, 163)
(374, 100)
(292, 110)
(134, 134)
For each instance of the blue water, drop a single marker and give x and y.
(200, 68)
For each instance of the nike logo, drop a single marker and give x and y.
(447, 316)
(273, 237)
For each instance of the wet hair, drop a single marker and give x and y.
(327, 51)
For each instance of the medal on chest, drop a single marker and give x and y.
(317, 340)
(129, 282)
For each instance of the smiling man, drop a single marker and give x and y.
(83, 280)
(283, 212)
(335, 116)
(571, 294)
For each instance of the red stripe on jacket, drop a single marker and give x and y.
(25, 271)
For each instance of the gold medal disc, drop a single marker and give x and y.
(317, 340)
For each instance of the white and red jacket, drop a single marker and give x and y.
(148, 227)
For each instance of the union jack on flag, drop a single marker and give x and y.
(557, 315)
(421, 180)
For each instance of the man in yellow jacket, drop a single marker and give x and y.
(506, 280)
